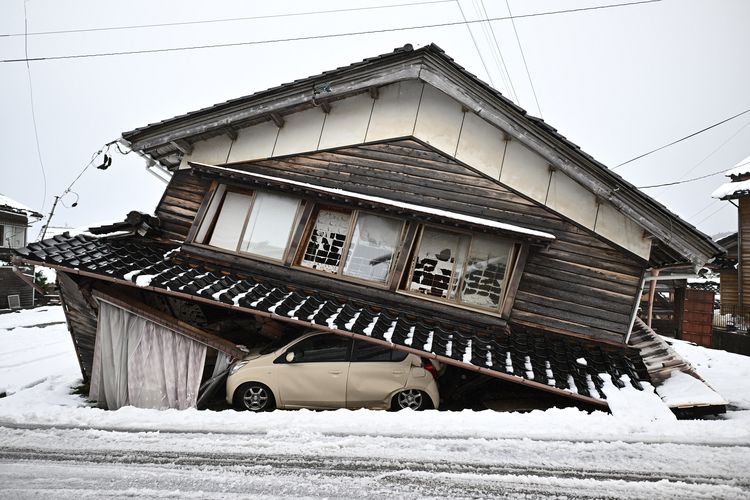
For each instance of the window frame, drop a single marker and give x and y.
(510, 270)
(230, 188)
(339, 274)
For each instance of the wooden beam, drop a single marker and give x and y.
(515, 281)
(169, 322)
(277, 119)
(182, 145)
(231, 133)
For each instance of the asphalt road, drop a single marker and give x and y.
(44, 462)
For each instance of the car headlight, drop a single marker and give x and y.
(236, 366)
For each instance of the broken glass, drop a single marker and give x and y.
(324, 249)
(372, 247)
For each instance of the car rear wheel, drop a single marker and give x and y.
(255, 397)
(411, 398)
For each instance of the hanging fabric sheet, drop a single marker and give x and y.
(140, 363)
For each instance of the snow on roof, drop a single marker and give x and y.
(16, 207)
(682, 389)
(394, 203)
(730, 189)
(743, 167)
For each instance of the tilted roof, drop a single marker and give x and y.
(10, 205)
(675, 239)
(554, 363)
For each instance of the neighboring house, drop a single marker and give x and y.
(16, 288)
(735, 277)
(400, 201)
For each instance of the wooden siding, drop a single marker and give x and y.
(579, 285)
(82, 317)
(11, 284)
(743, 274)
(180, 203)
(728, 291)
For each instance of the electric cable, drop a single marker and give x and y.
(476, 45)
(226, 20)
(321, 37)
(523, 56)
(33, 109)
(681, 139)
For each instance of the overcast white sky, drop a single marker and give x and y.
(618, 82)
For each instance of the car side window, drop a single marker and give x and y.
(322, 348)
(365, 351)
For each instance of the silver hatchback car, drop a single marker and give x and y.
(326, 371)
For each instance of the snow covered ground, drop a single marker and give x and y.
(54, 444)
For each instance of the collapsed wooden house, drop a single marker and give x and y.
(398, 200)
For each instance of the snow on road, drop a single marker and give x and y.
(57, 445)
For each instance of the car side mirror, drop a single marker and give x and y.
(290, 357)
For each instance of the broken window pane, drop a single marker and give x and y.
(435, 263)
(372, 247)
(231, 218)
(485, 271)
(270, 224)
(323, 251)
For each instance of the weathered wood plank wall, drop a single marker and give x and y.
(180, 202)
(580, 285)
(744, 252)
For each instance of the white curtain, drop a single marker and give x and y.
(140, 363)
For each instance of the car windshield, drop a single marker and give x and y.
(279, 342)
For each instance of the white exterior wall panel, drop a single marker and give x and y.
(300, 133)
(572, 200)
(439, 120)
(481, 146)
(525, 171)
(254, 143)
(347, 122)
(213, 151)
(614, 226)
(395, 110)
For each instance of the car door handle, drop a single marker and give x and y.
(335, 372)
(398, 372)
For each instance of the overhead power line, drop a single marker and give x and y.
(476, 45)
(33, 110)
(326, 36)
(680, 179)
(523, 57)
(224, 20)
(500, 53)
(683, 181)
(681, 139)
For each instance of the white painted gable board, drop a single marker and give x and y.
(254, 143)
(213, 151)
(572, 200)
(347, 122)
(439, 120)
(481, 145)
(525, 171)
(614, 226)
(395, 110)
(300, 133)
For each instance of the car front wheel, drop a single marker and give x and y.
(255, 397)
(410, 398)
